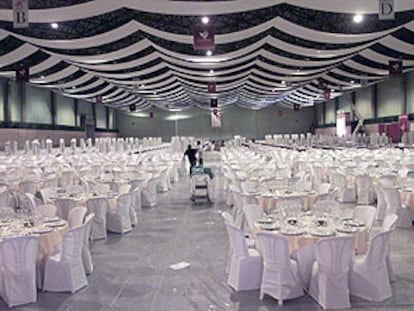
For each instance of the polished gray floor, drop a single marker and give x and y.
(132, 271)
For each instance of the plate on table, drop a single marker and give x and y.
(42, 230)
(55, 224)
(354, 223)
(269, 227)
(51, 219)
(292, 231)
(407, 190)
(322, 233)
(347, 229)
(266, 220)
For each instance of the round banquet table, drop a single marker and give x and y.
(47, 240)
(268, 201)
(301, 246)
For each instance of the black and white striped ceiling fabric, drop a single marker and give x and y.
(267, 52)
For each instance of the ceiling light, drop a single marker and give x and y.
(283, 82)
(211, 71)
(358, 18)
(205, 20)
(42, 77)
(141, 86)
(352, 81)
(332, 90)
(54, 25)
(73, 87)
(155, 93)
(209, 53)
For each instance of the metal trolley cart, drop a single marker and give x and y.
(200, 180)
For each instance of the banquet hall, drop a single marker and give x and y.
(299, 113)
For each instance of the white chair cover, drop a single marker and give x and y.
(98, 206)
(46, 193)
(369, 276)
(149, 195)
(245, 269)
(86, 253)
(394, 205)
(365, 193)
(118, 217)
(162, 184)
(18, 270)
(366, 214)
(252, 213)
(330, 272)
(64, 271)
(76, 216)
(6, 198)
(381, 203)
(64, 206)
(280, 277)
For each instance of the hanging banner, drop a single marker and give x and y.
(98, 99)
(395, 67)
(215, 118)
(327, 94)
(386, 10)
(203, 37)
(23, 74)
(213, 103)
(20, 13)
(211, 88)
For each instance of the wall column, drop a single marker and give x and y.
(53, 107)
(6, 101)
(21, 89)
(404, 103)
(374, 90)
(76, 111)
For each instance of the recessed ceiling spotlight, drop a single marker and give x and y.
(283, 82)
(332, 90)
(358, 18)
(54, 25)
(155, 93)
(352, 81)
(141, 86)
(73, 87)
(209, 53)
(205, 20)
(211, 71)
(42, 77)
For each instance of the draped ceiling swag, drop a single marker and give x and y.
(267, 52)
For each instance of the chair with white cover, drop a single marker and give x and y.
(50, 182)
(245, 271)
(394, 205)
(76, 216)
(18, 270)
(86, 253)
(280, 278)
(366, 214)
(46, 194)
(28, 201)
(369, 276)
(118, 217)
(46, 210)
(66, 178)
(64, 206)
(346, 192)
(149, 194)
(27, 186)
(389, 224)
(324, 188)
(64, 271)
(227, 217)
(365, 193)
(6, 198)
(381, 203)
(162, 184)
(98, 206)
(125, 188)
(252, 213)
(330, 272)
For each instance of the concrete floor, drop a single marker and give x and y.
(132, 271)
